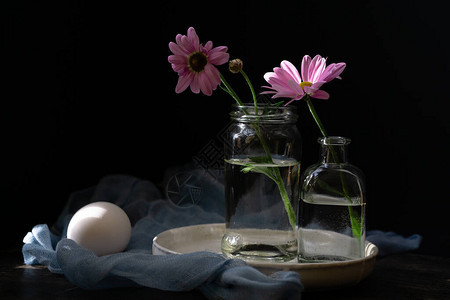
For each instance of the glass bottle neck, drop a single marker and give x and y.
(333, 150)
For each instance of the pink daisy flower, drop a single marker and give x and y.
(195, 63)
(285, 81)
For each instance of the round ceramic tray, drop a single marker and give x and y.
(207, 237)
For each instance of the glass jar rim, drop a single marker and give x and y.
(334, 141)
(265, 113)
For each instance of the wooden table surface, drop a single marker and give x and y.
(401, 276)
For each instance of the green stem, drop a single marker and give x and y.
(229, 90)
(356, 225)
(251, 89)
(285, 197)
(276, 175)
(315, 116)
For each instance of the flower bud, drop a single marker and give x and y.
(235, 65)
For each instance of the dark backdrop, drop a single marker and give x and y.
(87, 91)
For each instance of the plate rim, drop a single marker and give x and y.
(290, 264)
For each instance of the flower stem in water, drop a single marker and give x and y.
(355, 221)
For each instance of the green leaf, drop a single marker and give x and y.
(247, 169)
(331, 189)
(278, 103)
(356, 223)
(274, 174)
(268, 171)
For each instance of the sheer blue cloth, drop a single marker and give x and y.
(150, 214)
(199, 199)
(391, 242)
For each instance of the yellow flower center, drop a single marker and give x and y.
(307, 83)
(197, 61)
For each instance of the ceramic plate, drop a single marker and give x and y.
(207, 237)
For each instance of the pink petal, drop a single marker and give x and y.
(220, 49)
(179, 68)
(186, 44)
(269, 75)
(285, 75)
(208, 46)
(295, 87)
(178, 38)
(291, 70)
(195, 84)
(316, 68)
(193, 38)
(311, 68)
(176, 49)
(279, 81)
(177, 59)
(305, 67)
(332, 71)
(178, 62)
(284, 82)
(309, 89)
(316, 85)
(183, 82)
(267, 92)
(320, 95)
(218, 57)
(213, 75)
(281, 77)
(290, 90)
(204, 84)
(280, 96)
(295, 99)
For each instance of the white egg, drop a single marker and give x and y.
(102, 227)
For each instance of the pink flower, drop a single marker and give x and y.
(286, 81)
(194, 63)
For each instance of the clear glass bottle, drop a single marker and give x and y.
(262, 176)
(331, 214)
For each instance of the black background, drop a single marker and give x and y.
(87, 91)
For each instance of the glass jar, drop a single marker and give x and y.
(331, 213)
(262, 176)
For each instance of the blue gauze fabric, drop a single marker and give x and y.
(211, 273)
(150, 215)
(390, 242)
